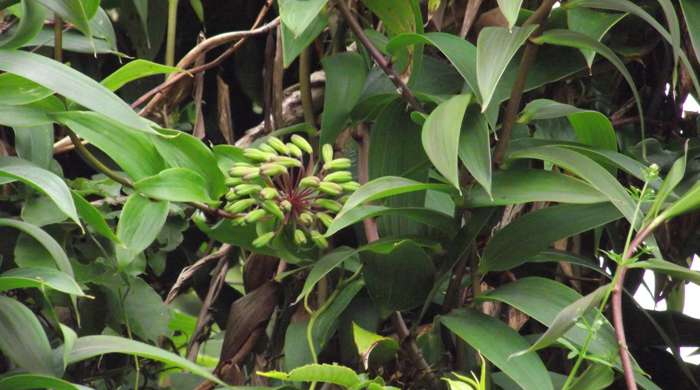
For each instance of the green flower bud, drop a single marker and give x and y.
(263, 239)
(350, 186)
(328, 204)
(302, 143)
(257, 154)
(294, 150)
(252, 175)
(239, 206)
(231, 195)
(299, 237)
(325, 219)
(273, 209)
(343, 199)
(247, 189)
(233, 181)
(269, 193)
(277, 144)
(272, 169)
(319, 239)
(286, 205)
(330, 188)
(309, 182)
(255, 215)
(306, 218)
(238, 221)
(267, 148)
(338, 163)
(327, 153)
(243, 171)
(338, 177)
(288, 162)
(241, 164)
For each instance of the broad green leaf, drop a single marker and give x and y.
(326, 321)
(667, 268)
(345, 78)
(72, 84)
(459, 52)
(384, 187)
(17, 90)
(23, 339)
(691, 14)
(41, 180)
(323, 266)
(595, 24)
(31, 22)
(176, 185)
(397, 15)
(93, 217)
(135, 70)
(495, 48)
(48, 242)
(374, 350)
(182, 150)
(77, 12)
(475, 148)
(591, 127)
(24, 381)
(293, 45)
(144, 309)
(395, 150)
(387, 276)
(91, 346)
(497, 343)
(40, 211)
(297, 15)
(39, 277)
(426, 216)
(101, 26)
(441, 134)
(673, 178)
(140, 222)
(512, 245)
(227, 155)
(241, 236)
(568, 317)
(132, 150)
(23, 116)
(582, 41)
(586, 169)
(510, 9)
(72, 41)
(543, 299)
(687, 202)
(35, 144)
(514, 186)
(327, 373)
(596, 377)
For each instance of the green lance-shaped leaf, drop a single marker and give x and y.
(31, 22)
(39, 277)
(135, 70)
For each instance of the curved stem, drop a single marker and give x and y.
(378, 57)
(96, 163)
(172, 30)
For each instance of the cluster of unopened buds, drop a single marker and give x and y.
(284, 189)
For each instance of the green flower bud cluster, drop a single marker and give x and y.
(283, 189)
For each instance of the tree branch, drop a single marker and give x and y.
(516, 93)
(377, 56)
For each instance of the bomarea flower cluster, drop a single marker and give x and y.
(285, 189)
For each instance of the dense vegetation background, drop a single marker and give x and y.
(374, 194)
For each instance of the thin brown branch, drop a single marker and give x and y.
(516, 93)
(205, 317)
(470, 12)
(189, 271)
(377, 56)
(618, 322)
